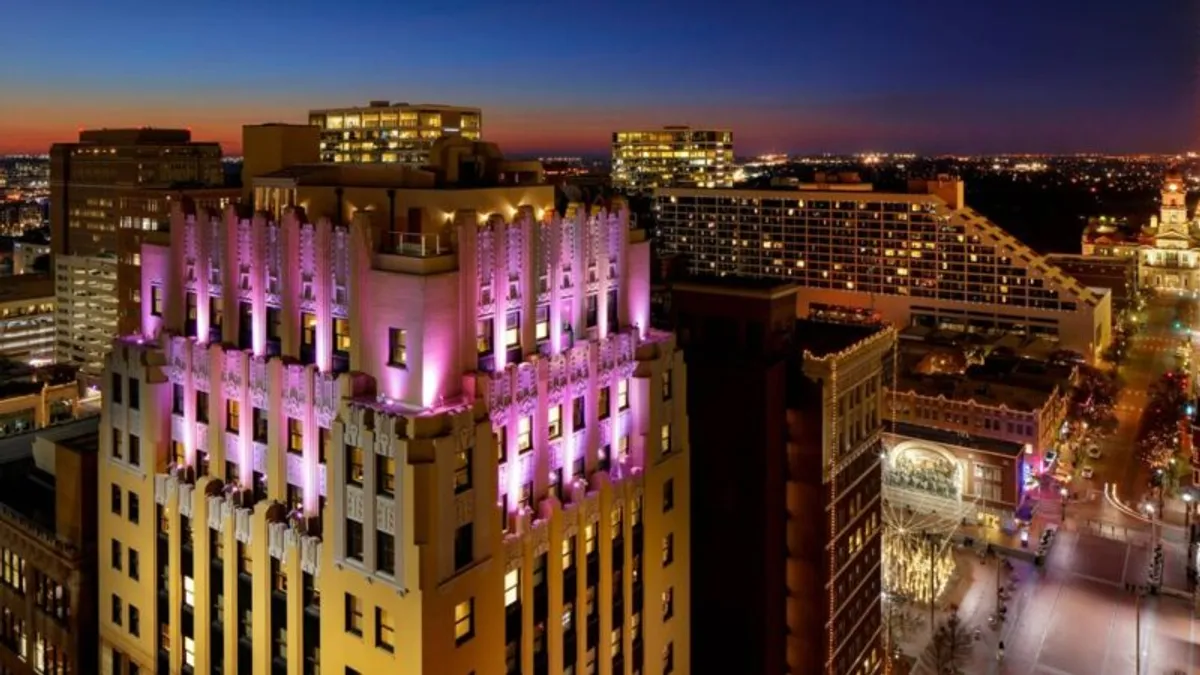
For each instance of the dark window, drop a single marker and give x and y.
(135, 450)
(202, 406)
(385, 552)
(464, 545)
(398, 347)
(134, 507)
(135, 394)
(577, 413)
(134, 564)
(462, 469)
(354, 540)
(354, 615)
(156, 301)
(116, 610)
(668, 495)
(115, 389)
(116, 499)
(177, 399)
(260, 425)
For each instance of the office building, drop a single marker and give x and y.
(392, 133)
(1167, 249)
(26, 253)
(110, 192)
(27, 318)
(48, 545)
(920, 258)
(677, 156)
(799, 501)
(434, 437)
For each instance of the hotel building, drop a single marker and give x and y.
(805, 419)
(48, 551)
(27, 318)
(676, 156)
(920, 258)
(109, 193)
(439, 443)
(392, 133)
(1167, 249)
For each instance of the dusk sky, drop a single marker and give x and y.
(891, 75)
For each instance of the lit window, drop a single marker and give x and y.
(512, 588)
(464, 621)
(666, 385)
(232, 415)
(398, 347)
(385, 632)
(354, 614)
(668, 603)
(156, 300)
(341, 336)
(189, 592)
(462, 470)
(604, 406)
(555, 421)
(189, 652)
(622, 394)
(354, 465)
(568, 552)
(385, 475)
(501, 445)
(524, 436)
(666, 439)
(512, 330)
(295, 436)
(589, 539)
(541, 330)
(668, 552)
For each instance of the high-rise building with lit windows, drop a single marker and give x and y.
(110, 191)
(393, 133)
(435, 436)
(916, 258)
(674, 156)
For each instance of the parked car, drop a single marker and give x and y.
(1087, 472)
(1093, 452)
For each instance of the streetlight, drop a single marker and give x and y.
(1149, 508)
(1063, 492)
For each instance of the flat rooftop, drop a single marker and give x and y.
(821, 338)
(1006, 448)
(28, 491)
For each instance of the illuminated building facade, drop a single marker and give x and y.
(392, 133)
(441, 440)
(919, 258)
(27, 318)
(676, 156)
(801, 505)
(1167, 250)
(48, 552)
(110, 192)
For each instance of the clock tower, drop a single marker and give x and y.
(1173, 221)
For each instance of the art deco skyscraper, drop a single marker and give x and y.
(437, 436)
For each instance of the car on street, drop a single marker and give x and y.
(1087, 472)
(1093, 452)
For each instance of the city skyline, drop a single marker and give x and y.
(1116, 79)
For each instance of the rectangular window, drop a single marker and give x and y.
(135, 450)
(116, 610)
(135, 394)
(177, 453)
(666, 385)
(541, 330)
(134, 507)
(114, 390)
(354, 465)
(115, 499)
(245, 562)
(512, 588)
(462, 469)
(568, 552)
(341, 336)
(604, 406)
(398, 347)
(464, 545)
(134, 564)
(554, 424)
(484, 334)
(666, 439)
(177, 399)
(501, 435)
(260, 425)
(668, 603)
(622, 393)
(233, 416)
(189, 652)
(354, 615)
(295, 436)
(385, 552)
(156, 301)
(385, 475)
(324, 442)
(668, 495)
(669, 658)
(115, 554)
(385, 631)
(577, 413)
(524, 435)
(354, 540)
(668, 552)
(512, 330)
(589, 539)
(278, 577)
(216, 313)
(202, 406)
(464, 621)
(308, 330)
(135, 621)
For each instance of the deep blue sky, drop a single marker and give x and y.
(899, 75)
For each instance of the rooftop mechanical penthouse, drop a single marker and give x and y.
(459, 450)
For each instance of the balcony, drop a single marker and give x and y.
(417, 253)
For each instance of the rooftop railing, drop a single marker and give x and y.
(418, 245)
